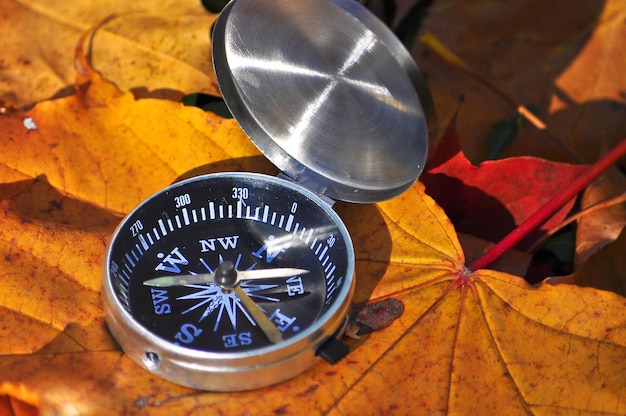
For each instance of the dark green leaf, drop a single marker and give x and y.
(504, 132)
(501, 135)
(208, 103)
(562, 246)
(214, 6)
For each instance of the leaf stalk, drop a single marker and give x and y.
(550, 207)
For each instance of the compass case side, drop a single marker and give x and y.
(213, 372)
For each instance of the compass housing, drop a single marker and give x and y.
(327, 92)
(132, 313)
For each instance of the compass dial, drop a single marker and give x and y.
(241, 223)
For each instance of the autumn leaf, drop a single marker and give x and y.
(102, 135)
(471, 342)
(489, 200)
(153, 48)
(572, 71)
(600, 228)
(603, 270)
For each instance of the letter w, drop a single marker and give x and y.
(228, 242)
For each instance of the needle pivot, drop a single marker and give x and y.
(226, 275)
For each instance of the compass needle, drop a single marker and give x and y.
(191, 279)
(269, 329)
(181, 280)
(165, 281)
(269, 273)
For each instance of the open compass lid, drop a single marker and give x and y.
(327, 92)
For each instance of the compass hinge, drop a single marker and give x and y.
(327, 200)
(333, 350)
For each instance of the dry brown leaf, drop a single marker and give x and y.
(599, 228)
(605, 269)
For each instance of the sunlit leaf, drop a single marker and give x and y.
(155, 48)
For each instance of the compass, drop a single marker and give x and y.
(238, 280)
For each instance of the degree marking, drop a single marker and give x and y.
(142, 240)
(309, 235)
(289, 223)
(239, 208)
(123, 276)
(266, 213)
(130, 260)
(162, 226)
(331, 290)
(323, 253)
(212, 210)
(330, 274)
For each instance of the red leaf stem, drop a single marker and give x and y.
(542, 214)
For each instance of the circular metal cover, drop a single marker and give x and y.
(326, 92)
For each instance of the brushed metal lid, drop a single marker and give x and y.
(326, 92)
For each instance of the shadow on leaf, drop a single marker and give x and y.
(258, 164)
(37, 200)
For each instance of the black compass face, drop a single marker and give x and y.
(252, 221)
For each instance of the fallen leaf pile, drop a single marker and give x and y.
(482, 342)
